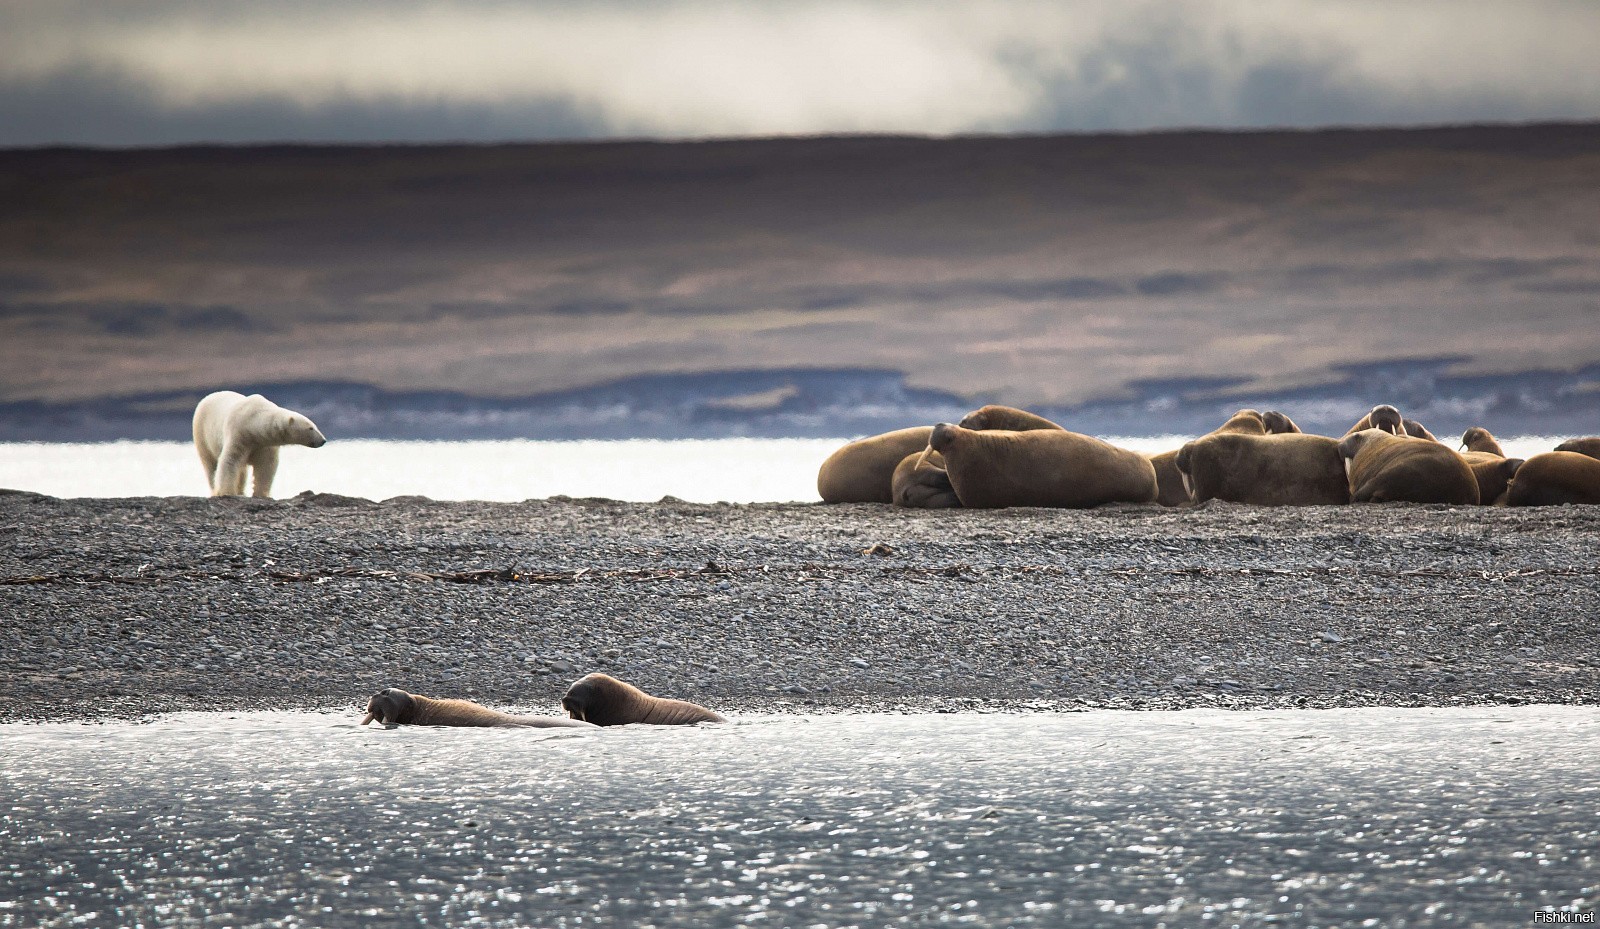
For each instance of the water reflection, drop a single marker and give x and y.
(1350, 817)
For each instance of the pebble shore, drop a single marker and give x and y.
(131, 607)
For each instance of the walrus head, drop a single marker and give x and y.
(1351, 445)
(1388, 419)
(943, 435)
(390, 706)
(1479, 439)
(1277, 423)
(921, 481)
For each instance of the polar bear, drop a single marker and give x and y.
(233, 432)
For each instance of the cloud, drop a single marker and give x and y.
(163, 71)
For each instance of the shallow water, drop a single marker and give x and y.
(699, 470)
(1305, 818)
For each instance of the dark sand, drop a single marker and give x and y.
(130, 607)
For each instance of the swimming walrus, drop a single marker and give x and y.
(863, 471)
(1290, 469)
(1554, 478)
(1589, 446)
(393, 706)
(1278, 423)
(1384, 417)
(1005, 417)
(1040, 467)
(1489, 464)
(922, 482)
(1384, 468)
(1170, 489)
(605, 701)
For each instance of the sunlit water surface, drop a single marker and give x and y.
(700, 470)
(1373, 817)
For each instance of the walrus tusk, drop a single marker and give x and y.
(368, 718)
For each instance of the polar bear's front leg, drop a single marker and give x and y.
(230, 471)
(263, 468)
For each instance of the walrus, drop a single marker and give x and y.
(863, 471)
(605, 701)
(1479, 439)
(921, 482)
(1554, 478)
(1278, 423)
(1384, 467)
(1005, 417)
(394, 706)
(1489, 464)
(1040, 467)
(1170, 488)
(1417, 430)
(1384, 417)
(1290, 469)
(1589, 446)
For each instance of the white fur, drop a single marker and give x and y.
(233, 433)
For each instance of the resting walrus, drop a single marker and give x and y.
(1418, 431)
(605, 701)
(862, 471)
(1040, 467)
(1386, 468)
(1292, 469)
(393, 706)
(1589, 446)
(921, 482)
(1170, 488)
(1383, 417)
(1479, 439)
(1005, 417)
(1554, 478)
(1279, 423)
(1489, 464)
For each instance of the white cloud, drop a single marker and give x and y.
(812, 66)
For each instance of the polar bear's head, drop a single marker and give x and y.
(301, 431)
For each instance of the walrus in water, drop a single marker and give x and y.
(1589, 446)
(922, 482)
(1170, 488)
(1040, 467)
(605, 701)
(393, 706)
(1489, 464)
(1005, 417)
(1384, 417)
(863, 471)
(1279, 423)
(1385, 468)
(1554, 478)
(1291, 469)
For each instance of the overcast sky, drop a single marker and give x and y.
(143, 72)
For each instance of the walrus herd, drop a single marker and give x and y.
(999, 456)
(591, 702)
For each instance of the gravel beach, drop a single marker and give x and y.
(130, 607)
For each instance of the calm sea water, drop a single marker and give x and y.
(1472, 816)
(708, 470)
